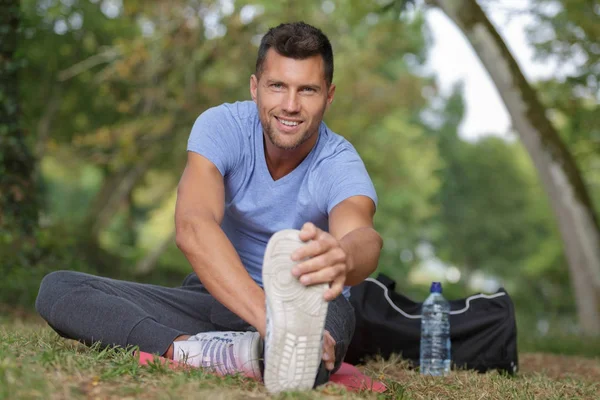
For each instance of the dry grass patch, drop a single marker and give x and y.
(560, 367)
(542, 376)
(35, 363)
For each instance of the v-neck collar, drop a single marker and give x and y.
(260, 144)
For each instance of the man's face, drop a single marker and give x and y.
(292, 96)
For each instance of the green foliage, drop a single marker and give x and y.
(125, 91)
(560, 344)
(494, 216)
(22, 270)
(566, 34)
(488, 208)
(69, 187)
(18, 199)
(66, 44)
(108, 101)
(402, 161)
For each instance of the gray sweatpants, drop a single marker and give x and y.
(94, 309)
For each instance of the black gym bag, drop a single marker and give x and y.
(483, 329)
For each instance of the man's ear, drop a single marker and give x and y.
(330, 94)
(253, 86)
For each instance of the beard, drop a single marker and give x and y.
(276, 139)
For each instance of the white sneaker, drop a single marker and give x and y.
(226, 353)
(295, 319)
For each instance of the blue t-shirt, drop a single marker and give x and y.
(256, 206)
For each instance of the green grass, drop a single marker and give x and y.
(35, 363)
(561, 344)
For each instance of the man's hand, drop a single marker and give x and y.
(328, 350)
(327, 261)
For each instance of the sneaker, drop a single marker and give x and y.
(295, 319)
(225, 353)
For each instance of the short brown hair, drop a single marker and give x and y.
(299, 41)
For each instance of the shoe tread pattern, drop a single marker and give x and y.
(297, 318)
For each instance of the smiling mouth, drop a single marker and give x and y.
(288, 122)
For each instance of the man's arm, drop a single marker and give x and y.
(198, 215)
(347, 254)
(351, 222)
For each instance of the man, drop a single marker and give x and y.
(256, 173)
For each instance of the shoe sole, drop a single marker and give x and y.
(295, 319)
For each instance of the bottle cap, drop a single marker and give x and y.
(436, 287)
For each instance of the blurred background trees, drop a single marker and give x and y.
(109, 91)
(556, 167)
(18, 200)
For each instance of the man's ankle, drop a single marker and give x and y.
(169, 353)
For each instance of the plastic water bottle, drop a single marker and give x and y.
(435, 333)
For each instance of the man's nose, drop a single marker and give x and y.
(291, 104)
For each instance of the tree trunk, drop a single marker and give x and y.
(18, 200)
(114, 191)
(44, 126)
(556, 167)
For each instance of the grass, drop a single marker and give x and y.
(35, 363)
(560, 344)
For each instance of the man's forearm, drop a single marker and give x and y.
(220, 270)
(362, 247)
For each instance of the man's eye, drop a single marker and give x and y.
(276, 85)
(308, 89)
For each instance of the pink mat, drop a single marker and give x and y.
(348, 375)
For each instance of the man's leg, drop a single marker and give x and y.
(340, 323)
(95, 309)
(235, 346)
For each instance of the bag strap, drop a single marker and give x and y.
(387, 281)
(388, 284)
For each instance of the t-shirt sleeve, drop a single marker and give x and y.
(216, 136)
(344, 177)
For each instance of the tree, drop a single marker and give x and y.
(157, 83)
(566, 34)
(18, 200)
(558, 172)
(486, 208)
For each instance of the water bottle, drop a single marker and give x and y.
(435, 333)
